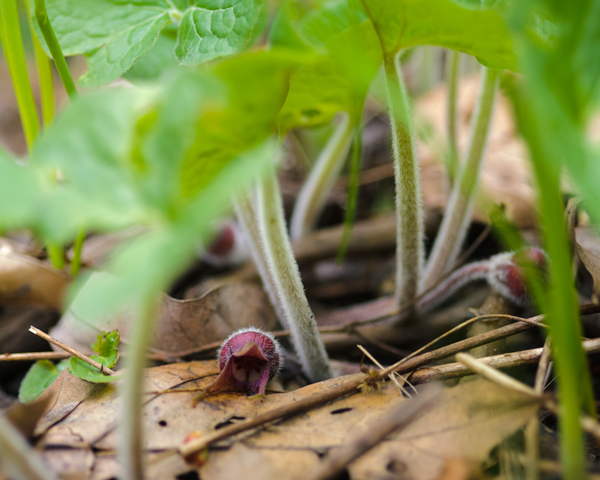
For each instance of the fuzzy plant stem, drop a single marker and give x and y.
(460, 205)
(409, 208)
(286, 282)
(15, 58)
(247, 215)
(314, 193)
(131, 451)
(449, 286)
(452, 79)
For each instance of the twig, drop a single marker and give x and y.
(349, 385)
(352, 383)
(33, 356)
(587, 423)
(398, 419)
(72, 351)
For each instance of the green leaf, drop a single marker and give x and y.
(91, 374)
(113, 34)
(334, 17)
(257, 85)
(106, 347)
(154, 62)
(215, 28)
(39, 377)
(151, 262)
(338, 82)
(407, 23)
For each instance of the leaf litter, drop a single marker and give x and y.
(77, 433)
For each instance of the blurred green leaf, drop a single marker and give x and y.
(87, 372)
(106, 347)
(113, 34)
(337, 82)
(257, 84)
(39, 377)
(154, 62)
(407, 23)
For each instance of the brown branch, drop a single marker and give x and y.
(337, 459)
(352, 383)
(72, 351)
(33, 356)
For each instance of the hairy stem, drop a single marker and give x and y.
(460, 205)
(285, 279)
(452, 78)
(314, 193)
(59, 59)
(131, 425)
(409, 211)
(245, 209)
(15, 58)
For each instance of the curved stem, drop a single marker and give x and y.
(449, 286)
(59, 59)
(409, 211)
(15, 57)
(131, 425)
(452, 78)
(285, 277)
(460, 205)
(315, 190)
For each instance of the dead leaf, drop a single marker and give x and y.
(586, 244)
(181, 324)
(465, 424)
(27, 280)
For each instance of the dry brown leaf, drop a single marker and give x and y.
(465, 424)
(506, 175)
(27, 280)
(181, 324)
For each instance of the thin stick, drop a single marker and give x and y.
(72, 351)
(398, 419)
(586, 422)
(351, 383)
(33, 356)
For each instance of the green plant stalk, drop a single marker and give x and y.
(353, 185)
(574, 385)
(44, 73)
(131, 433)
(315, 190)
(15, 57)
(56, 255)
(285, 275)
(460, 205)
(409, 208)
(452, 78)
(77, 249)
(41, 16)
(59, 59)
